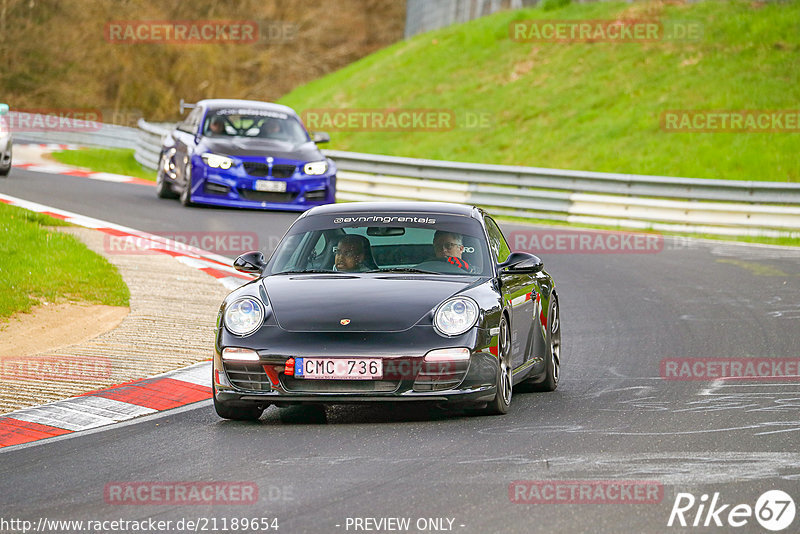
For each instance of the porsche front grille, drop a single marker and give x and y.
(440, 376)
(338, 386)
(247, 376)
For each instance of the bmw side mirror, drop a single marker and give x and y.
(321, 137)
(521, 263)
(250, 262)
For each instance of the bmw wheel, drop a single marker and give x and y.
(186, 191)
(163, 189)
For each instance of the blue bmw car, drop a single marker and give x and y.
(245, 154)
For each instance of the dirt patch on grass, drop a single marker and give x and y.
(53, 326)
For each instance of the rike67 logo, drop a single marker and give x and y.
(774, 510)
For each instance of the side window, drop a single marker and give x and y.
(497, 242)
(192, 121)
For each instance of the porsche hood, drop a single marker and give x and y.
(355, 303)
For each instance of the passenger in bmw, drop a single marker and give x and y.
(272, 129)
(449, 246)
(352, 253)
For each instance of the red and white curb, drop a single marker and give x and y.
(68, 170)
(108, 406)
(212, 264)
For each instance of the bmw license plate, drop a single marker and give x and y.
(269, 185)
(342, 369)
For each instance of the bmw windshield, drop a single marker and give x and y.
(254, 123)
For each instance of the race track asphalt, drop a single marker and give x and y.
(614, 417)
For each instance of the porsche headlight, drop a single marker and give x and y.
(455, 316)
(315, 168)
(244, 316)
(216, 161)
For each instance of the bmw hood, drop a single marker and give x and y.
(320, 303)
(242, 146)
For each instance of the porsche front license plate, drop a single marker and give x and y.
(343, 369)
(269, 185)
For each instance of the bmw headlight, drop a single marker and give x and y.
(244, 316)
(216, 161)
(455, 316)
(315, 168)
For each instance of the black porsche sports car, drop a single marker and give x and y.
(245, 154)
(387, 302)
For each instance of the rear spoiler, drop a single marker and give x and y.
(185, 105)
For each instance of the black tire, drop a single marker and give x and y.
(5, 170)
(163, 188)
(553, 370)
(502, 399)
(237, 414)
(186, 191)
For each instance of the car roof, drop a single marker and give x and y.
(396, 206)
(219, 103)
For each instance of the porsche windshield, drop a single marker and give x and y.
(254, 123)
(406, 243)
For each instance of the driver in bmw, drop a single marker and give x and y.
(217, 126)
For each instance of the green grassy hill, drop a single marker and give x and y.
(585, 105)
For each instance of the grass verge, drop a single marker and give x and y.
(40, 264)
(113, 160)
(579, 105)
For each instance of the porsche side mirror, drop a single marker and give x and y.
(321, 137)
(250, 262)
(521, 263)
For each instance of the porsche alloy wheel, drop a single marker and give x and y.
(553, 371)
(502, 400)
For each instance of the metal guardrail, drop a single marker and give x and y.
(723, 207)
(149, 142)
(662, 203)
(34, 128)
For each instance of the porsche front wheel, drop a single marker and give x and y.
(502, 399)
(553, 368)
